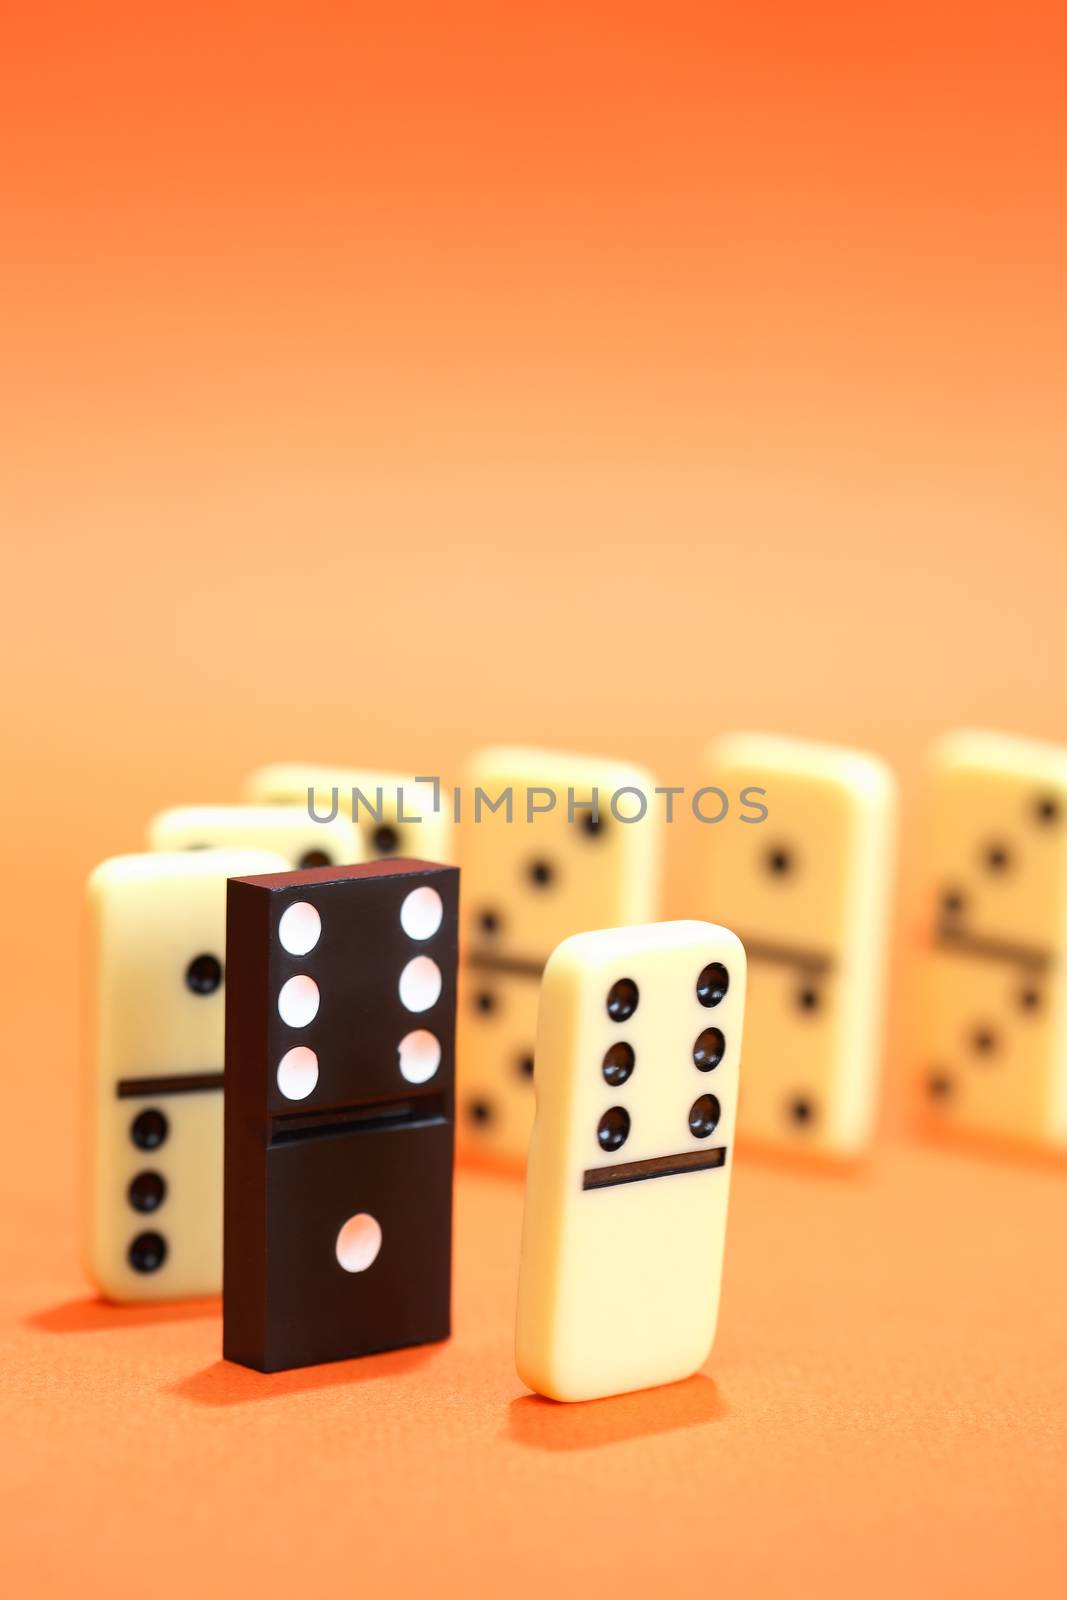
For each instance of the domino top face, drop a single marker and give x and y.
(152, 1224)
(531, 883)
(638, 1051)
(998, 843)
(339, 1096)
(406, 827)
(287, 830)
(354, 993)
(791, 879)
(669, 998)
(158, 926)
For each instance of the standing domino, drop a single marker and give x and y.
(157, 926)
(340, 1016)
(808, 890)
(638, 1046)
(287, 830)
(394, 814)
(527, 884)
(994, 1007)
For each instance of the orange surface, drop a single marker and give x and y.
(884, 1413)
(381, 381)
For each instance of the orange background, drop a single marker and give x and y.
(380, 381)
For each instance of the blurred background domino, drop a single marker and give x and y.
(154, 1071)
(527, 884)
(993, 1001)
(286, 829)
(395, 815)
(808, 889)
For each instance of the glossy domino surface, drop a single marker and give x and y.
(340, 1066)
(638, 1052)
(154, 1071)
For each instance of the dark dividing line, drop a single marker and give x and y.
(376, 1116)
(974, 944)
(173, 1083)
(514, 966)
(341, 1125)
(654, 1167)
(786, 955)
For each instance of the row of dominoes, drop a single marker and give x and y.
(807, 890)
(339, 1062)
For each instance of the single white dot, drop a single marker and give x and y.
(298, 1072)
(421, 913)
(420, 984)
(298, 1002)
(299, 928)
(358, 1242)
(420, 1055)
